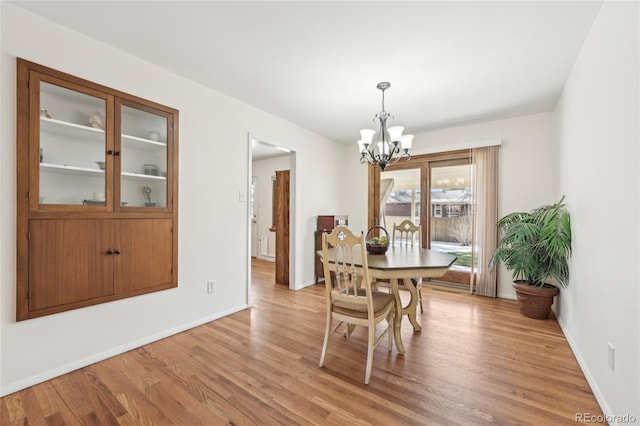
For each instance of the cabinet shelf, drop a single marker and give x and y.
(142, 143)
(141, 176)
(64, 128)
(63, 168)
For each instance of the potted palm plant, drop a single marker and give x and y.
(535, 247)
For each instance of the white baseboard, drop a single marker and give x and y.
(267, 258)
(509, 296)
(64, 369)
(602, 401)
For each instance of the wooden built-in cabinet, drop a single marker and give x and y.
(317, 246)
(96, 193)
(325, 223)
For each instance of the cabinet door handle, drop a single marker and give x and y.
(110, 152)
(116, 153)
(110, 251)
(117, 251)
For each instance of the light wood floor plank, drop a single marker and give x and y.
(476, 362)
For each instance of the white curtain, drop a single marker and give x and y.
(485, 234)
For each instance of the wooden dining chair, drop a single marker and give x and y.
(350, 298)
(409, 235)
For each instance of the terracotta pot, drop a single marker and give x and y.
(535, 302)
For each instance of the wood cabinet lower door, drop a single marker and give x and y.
(78, 262)
(69, 261)
(146, 258)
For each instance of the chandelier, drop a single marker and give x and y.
(391, 144)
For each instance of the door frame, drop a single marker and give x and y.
(254, 219)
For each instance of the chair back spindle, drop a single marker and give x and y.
(410, 234)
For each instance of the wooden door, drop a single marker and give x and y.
(145, 254)
(69, 261)
(282, 226)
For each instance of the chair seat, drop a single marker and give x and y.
(381, 301)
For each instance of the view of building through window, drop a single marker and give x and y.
(450, 207)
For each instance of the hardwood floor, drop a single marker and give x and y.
(477, 361)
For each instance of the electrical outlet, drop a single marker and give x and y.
(610, 355)
(211, 286)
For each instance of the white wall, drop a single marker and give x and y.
(264, 170)
(38, 349)
(527, 176)
(598, 137)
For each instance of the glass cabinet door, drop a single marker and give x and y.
(144, 136)
(71, 144)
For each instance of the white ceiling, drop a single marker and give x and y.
(317, 64)
(263, 151)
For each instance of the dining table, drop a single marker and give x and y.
(402, 264)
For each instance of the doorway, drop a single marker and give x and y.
(265, 159)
